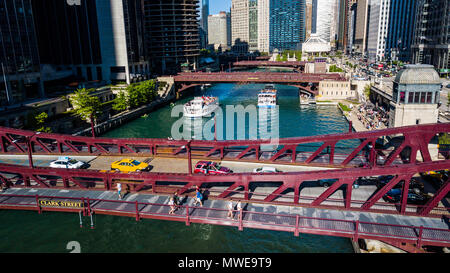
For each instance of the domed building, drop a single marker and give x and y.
(415, 96)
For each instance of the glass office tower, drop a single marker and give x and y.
(19, 57)
(401, 30)
(287, 24)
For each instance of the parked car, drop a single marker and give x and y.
(129, 165)
(266, 169)
(209, 167)
(395, 195)
(66, 162)
(413, 184)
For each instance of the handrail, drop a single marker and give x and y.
(296, 219)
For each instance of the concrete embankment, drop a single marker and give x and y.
(165, 97)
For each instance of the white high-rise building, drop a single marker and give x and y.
(239, 21)
(263, 25)
(378, 29)
(325, 19)
(218, 30)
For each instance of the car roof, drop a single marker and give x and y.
(204, 162)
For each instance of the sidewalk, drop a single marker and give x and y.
(217, 209)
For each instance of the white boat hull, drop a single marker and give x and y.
(206, 111)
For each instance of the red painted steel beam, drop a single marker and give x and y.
(433, 202)
(394, 181)
(289, 180)
(329, 191)
(412, 131)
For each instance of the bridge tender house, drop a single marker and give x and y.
(65, 204)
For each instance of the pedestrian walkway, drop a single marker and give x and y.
(263, 214)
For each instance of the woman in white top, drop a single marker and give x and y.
(172, 206)
(230, 209)
(119, 190)
(239, 209)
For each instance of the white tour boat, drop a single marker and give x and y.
(200, 106)
(267, 97)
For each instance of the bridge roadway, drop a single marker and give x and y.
(179, 165)
(255, 77)
(413, 230)
(293, 64)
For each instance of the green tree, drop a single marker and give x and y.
(120, 102)
(40, 121)
(85, 105)
(141, 93)
(367, 91)
(334, 68)
(448, 99)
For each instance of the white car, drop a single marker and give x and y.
(67, 163)
(265, 169)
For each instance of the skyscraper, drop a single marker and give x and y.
(401, 29)
(432, 35)
(218, 25)
(344, 23)
(308, 18)
(19, 56)
(325, 19)
(351, 27)
(287, 24)
(172, 34)
(263, 25)
(204, 23)
(378, 29)
(362, 20)
(97, 40)
(253, 24)
(240, 21)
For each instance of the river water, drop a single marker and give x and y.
(51, 232)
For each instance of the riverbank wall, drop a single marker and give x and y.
(166, 96)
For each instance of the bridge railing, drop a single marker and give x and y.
(242, 219)
(400, 145)
(242, 184)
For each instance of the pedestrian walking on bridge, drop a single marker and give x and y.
(230, 209)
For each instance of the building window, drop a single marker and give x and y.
(410, 97)
(117, 69)
(429, 97)
(416, 97)
(99, 73)
(402, 96)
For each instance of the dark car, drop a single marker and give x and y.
(328, 182)
(395, 196)
(209, 167)
(413, 184)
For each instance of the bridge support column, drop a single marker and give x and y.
(188, 149)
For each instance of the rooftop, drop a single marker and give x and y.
(418, 74)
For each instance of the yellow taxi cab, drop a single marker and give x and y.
(129, 165)
(437, 174)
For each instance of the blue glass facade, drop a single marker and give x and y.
(401, 29)
(287, 24)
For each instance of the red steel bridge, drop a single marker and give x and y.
(293, 64)
(404, 154)
(305, 81)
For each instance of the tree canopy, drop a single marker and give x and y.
(84, 104)
(136, 94)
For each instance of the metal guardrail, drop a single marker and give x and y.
(418, 235)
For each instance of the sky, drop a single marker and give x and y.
(216, 6)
